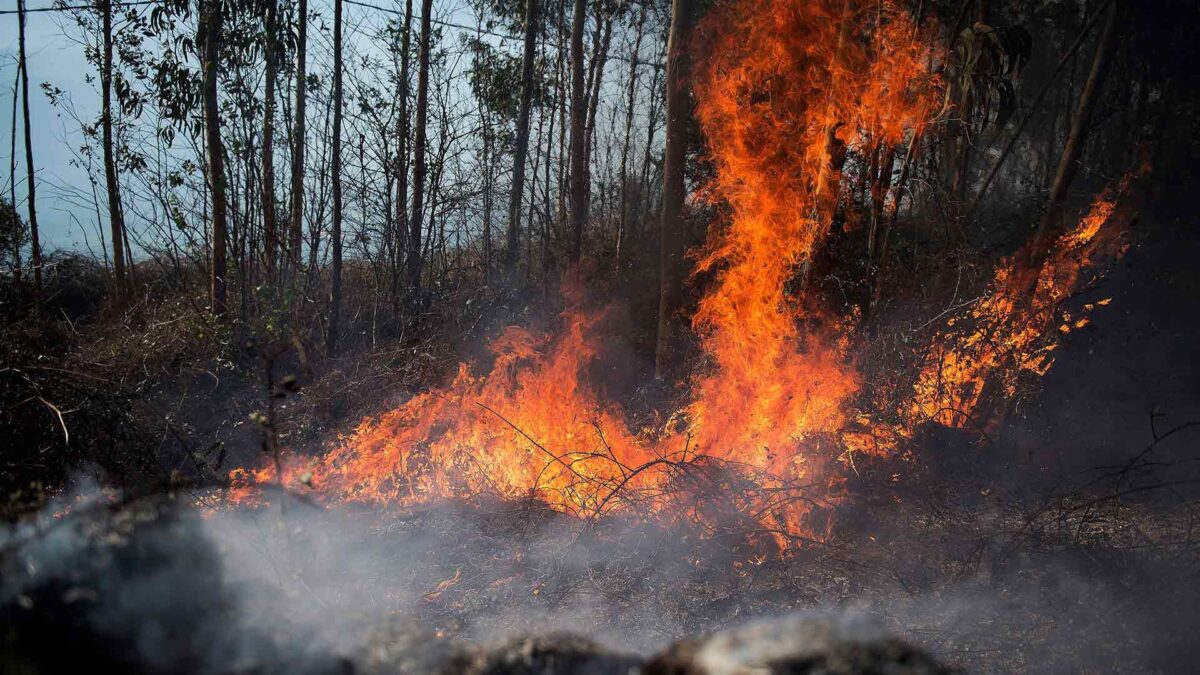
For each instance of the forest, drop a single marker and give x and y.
(599, 336)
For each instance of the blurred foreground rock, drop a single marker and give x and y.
(147, 587)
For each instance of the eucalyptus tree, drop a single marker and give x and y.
(521, 146)
(23, 66)
(296, 217)
(335, 276)
(116, 218)
(671, 242)
(577, 152)
(419, 165)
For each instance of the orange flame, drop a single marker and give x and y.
(1012, 332)
(792, 87)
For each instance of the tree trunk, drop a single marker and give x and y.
(631, 101)
(210, 27)
(594, 83)
(12, 178)
(270, 224)
(671, 242)
(1068, 165)
(405, 148)
(116, 220)
(296, 215)
(521, 149)
(414, 236)
(578, 155)
(35, 241)
(335, 274)
(485, 127)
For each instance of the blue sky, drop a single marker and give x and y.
(53, 58)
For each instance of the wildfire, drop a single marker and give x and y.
(792, 86)
(1014, 330)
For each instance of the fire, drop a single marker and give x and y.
(786, 77)
(793, 88)
(1013, 331)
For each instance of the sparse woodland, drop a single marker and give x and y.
(300, 218)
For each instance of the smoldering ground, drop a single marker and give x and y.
(161, 585)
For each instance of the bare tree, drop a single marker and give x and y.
(1068, 165)
(335, 241)
(271, 75)
(210, 37)
(520, 151)
(630, 103)
(419, 168)
(674, 189)
(296, 217)
(116, 219)
(23, 65)
(405, 127)
(578, 151)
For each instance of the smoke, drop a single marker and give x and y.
(164, 586)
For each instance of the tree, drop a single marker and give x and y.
(1068, 165)
(419, 168)
(674, 189)
(116, 219)
(335, 278)
(404, 130)
(210, 37)
(296, 217)
(271, 75)
(13, 236)
(10, 214)
(522, 143)
(623, 210)
(578, 153)
(35, 242)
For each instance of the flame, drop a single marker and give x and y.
(787, 75)
(1012, 332)
(795, 93)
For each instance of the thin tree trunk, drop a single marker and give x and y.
(646, 204)
(562, 100)
(631, 101)
(403, 153)
(671, 242)
(578, 153)
(211, 39)
(116, 220)
(12, 177)
(1068, 165)
(414, 237)
(296, 216)
(270, 223)
(488, 182)
(35, 241)
(595, 82)
(1037, 101)
(335, 279)
(521, 150)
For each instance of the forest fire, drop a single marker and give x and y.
(656, 336)
(775, 402)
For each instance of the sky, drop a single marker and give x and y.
(67, 216)
(54, 58)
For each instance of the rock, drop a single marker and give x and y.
(795, 645)
(554, 654)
